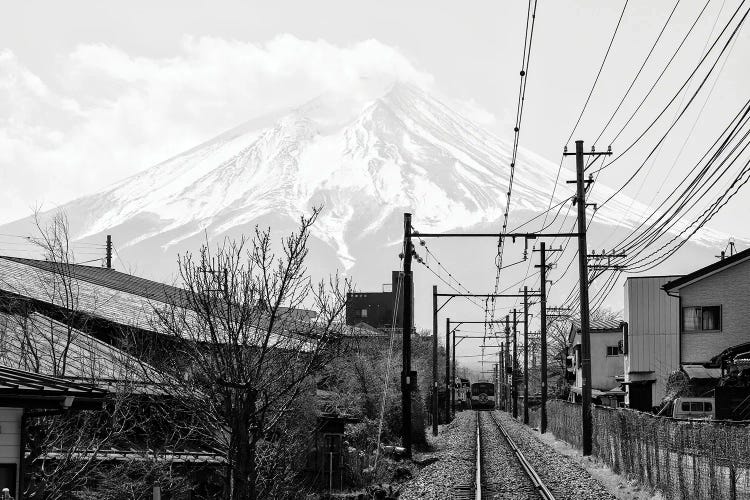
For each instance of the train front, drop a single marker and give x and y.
(482, 396)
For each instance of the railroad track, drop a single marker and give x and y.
(502, 471)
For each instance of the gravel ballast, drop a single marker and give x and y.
(452, 461)
(564, 477)
(503, 476)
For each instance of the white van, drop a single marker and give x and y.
(699, 408)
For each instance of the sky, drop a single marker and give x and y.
(92, 92)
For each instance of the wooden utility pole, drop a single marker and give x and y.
(435, 411)
(583, 278)
(406, 325)
(525, 355)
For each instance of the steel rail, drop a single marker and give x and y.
(539, 485)
(478, 477)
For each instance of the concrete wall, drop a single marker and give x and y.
(653, 333)
(730, 289)
(603, 367)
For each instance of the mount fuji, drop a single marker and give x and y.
(366, 161)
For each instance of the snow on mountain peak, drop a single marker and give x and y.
(364, 158)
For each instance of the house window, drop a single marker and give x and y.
(613, 350)
(363, 313)
(695, 319)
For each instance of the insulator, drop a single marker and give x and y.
(523, 73)
(565, 149)
(401, 255)
(609, 148)
(593, 149)
(515, 129)
(422, 242)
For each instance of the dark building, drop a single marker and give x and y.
(376, 308)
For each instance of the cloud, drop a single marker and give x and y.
(475, 113)
(108, 114)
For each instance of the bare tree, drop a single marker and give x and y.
(246, 348)
(41, 330)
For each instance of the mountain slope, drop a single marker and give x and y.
(365, 164)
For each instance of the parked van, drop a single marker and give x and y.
(694, 408)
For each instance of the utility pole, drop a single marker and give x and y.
(406, 325)
(583, 277)
(543, 300)
(109, 251)
(500, 374)
(448, 382)
(435, 412)
(453, 375)
(515, 366)
(525, 355)
(507, 364)
(543, 296)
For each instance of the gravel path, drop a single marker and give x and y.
(561, 474)
(503, 477)
(451, 464)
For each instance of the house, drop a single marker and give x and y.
(694, 324)
(24, 394)
(91, 314)
(376, 308)
(606, 359)
(713, 303)
(714, 340)
(650, 341)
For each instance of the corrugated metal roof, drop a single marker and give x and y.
(39, 344)
(598, 324)
(22, 383)
(64, 287)
(112, 279)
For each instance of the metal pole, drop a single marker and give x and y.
(515, 366)
(584, 292)
(500, 374)
(406, 326)
(525, 355)
(543, 298)
(453, 375)
(434, 363)
(108, 253)
(447, 372)
(508, 364)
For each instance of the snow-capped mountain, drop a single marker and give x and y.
(366, 162)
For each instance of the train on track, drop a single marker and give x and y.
(482, 396)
